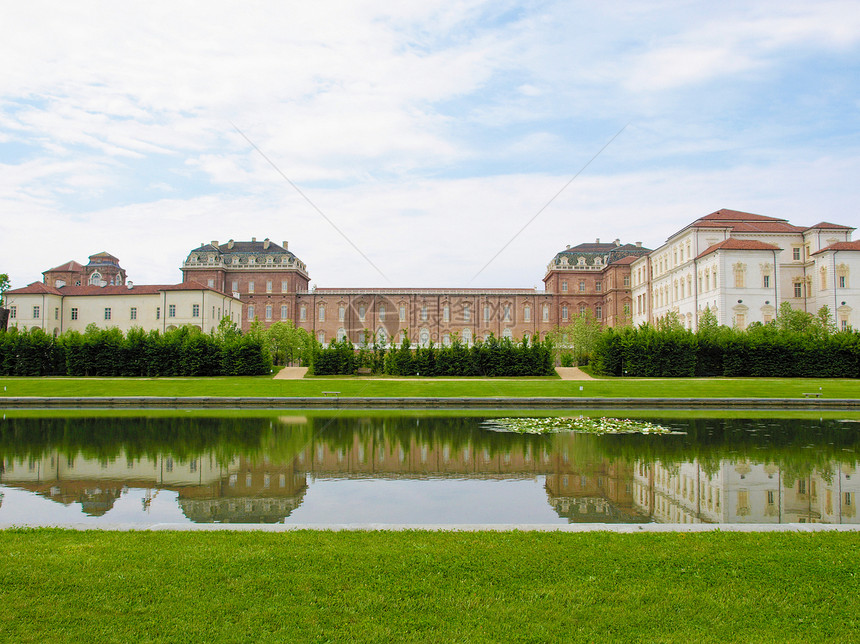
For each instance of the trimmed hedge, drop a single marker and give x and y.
(763, 351)
(492, 357)
(186, 351)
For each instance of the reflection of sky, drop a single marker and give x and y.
(426, 501)
(21, 507)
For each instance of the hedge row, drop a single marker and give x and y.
(107, 352)
(491, 357)
(764, 351)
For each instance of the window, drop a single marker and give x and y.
(467, 315)
(627, 310)
(402, 313)
(74, 314)
(250, 287)
(582, 310)
(303, 313)
(157, 312)
(321, 337)
(107, 313)
(424, 313)
(545, 313)
(362, 311)
(235, 286)
(321, 315)
(795, 254)
(766, 281)
(598, 286)
(564, 286)
(527, 313)
(251, 312)
(507, 312)
(446, 313)
(285, 286)
(171, 311)
(195, 310)
(598, 312)
(582, 286)
(133, 313)
(798, 291)
(284, 311)
(268, 311)
(268, 286)
(36, 312)
(382, 313)
(564, 313)
(210, 283)
(341, 313)
(843, 281)
(627, 281)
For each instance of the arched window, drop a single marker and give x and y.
(467, 337)
(382, 313)
(507, 333)
(341, 334)
(381, 336)
(424, 338)
(95, 278)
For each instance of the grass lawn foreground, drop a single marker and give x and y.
(66, 586)
(348, 386)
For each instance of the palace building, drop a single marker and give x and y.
(743, 266)
(738, 265)
(272, 284)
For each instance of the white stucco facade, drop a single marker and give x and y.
(150, 307)
(743, 266)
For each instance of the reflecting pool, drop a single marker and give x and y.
(335, 469)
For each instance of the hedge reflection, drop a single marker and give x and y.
(797, 445)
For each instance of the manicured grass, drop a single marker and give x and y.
(63, 586)
(429, 387)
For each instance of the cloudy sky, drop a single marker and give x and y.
(429, 133)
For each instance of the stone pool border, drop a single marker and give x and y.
(336, 402)
(626, 528)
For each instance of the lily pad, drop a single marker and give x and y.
(573, 424)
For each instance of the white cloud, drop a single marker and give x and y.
(428, 132)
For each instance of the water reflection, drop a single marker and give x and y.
(440, 470)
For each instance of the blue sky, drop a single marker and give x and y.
(429, 133)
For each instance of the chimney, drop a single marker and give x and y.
(215, 243)
(568, 245)
(617, 242)
(253, 239)
(230, 244)
(638, 244)
(284, 245)
(597, 241)
(130, 284)
(266, 244)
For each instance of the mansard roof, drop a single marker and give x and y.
(234, 253)
(609, 253)
(732, 243)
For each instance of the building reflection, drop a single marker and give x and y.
(582, 483)
(742, 491)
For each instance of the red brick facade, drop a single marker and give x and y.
(273, 286)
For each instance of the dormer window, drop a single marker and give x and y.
(581, 261)
(250, 260)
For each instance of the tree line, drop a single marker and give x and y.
(491, 357)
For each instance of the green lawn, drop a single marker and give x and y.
(63, 586)
(356, 386)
